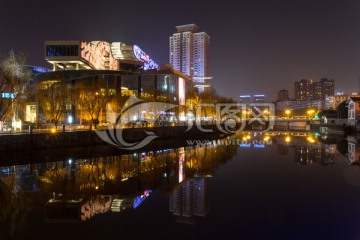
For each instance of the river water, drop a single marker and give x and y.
(250, 186)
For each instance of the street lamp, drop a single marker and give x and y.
(311, 139)
(310, 112)
(246, 113)
(70, 120)
(288, 113)
(266, 112)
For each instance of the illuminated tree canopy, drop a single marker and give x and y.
(14, 81)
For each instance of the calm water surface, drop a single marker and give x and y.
(298, 187)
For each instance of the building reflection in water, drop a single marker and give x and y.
(190, 199)
(307, 150)
(77, 190)
(323, 155)
(353, 152)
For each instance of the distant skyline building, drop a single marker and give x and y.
(317, 91)
(256, 98)
(282, 95)
(307, 89)
(303, 89)
(327, 87)
(259, 98)
(245, 99)
(189, 54)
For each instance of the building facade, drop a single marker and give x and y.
(245, 99)
(327, 87)
(96, 55)
(259, 98)
(256, 98)
(353, 110)
(190, 199)
(282, 95)
(165, 85)
(332, 102)
(306, 89)
(303, 90)
(298, 104)
(189, 54)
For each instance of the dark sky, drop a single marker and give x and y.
(256, 46)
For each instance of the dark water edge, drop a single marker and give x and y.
(100, 150)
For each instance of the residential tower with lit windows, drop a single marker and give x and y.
(189, 54)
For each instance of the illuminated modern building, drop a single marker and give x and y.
(164, 85)
(25, 109)
(126, 70)
(96, 55)
(189, 54)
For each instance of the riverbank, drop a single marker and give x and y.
(43, 141)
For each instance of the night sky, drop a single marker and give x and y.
(256, 46)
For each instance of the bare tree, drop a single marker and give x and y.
(14, 80)
(208, 98)
(53, 101)
(93, 98)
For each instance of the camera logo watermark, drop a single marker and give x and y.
(228, 118)
(233, 117)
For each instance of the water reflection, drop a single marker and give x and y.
(13, 202)
(308, 149)
(76, 190)
(189, 200)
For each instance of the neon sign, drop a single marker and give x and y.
(181, 167)
(40, 69)
(143, 57)
(8, 95)
(181, 91)
(139, 199)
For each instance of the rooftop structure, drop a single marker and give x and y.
(96, 55)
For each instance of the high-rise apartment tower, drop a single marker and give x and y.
(189, 54)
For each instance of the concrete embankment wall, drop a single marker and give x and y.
(37, 141)
(295, 126)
